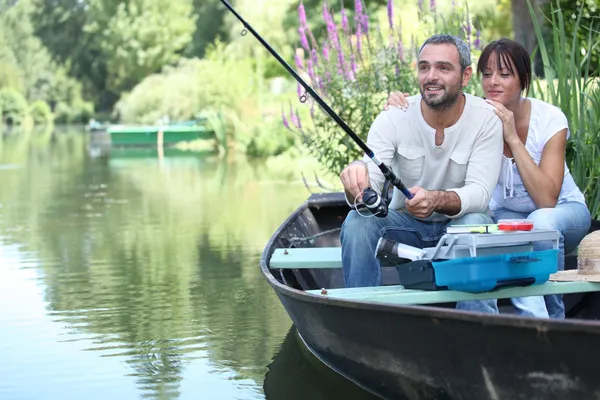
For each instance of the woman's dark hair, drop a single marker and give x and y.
(508, 50)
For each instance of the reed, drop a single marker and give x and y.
(569, 84)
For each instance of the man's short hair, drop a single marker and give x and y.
(464, 53)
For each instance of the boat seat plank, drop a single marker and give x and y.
(396, 294)
(311, 257)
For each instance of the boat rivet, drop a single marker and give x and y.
(323, 291)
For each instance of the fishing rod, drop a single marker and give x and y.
(371, 199)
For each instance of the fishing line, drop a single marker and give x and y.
(385, 170)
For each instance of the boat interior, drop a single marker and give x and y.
(305, 254)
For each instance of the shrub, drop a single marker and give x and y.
(355, 69)
(173, 93)
(571, 83)
(41, 113)
(14, 107)
(79, 112)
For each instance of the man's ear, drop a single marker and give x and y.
(467, 76)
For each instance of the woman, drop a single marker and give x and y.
(535, 182)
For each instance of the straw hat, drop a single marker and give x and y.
(588, 261)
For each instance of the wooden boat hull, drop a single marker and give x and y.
(424, 352)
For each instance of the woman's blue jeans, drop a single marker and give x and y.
(572, 220)
(359, 238)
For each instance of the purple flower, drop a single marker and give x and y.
(341, 63)
(353, 65)
(358, 9)
(358, 40)
(400, 50)
(310, 70)
(359, 16)
(320, 85)
(293, 116)
(325, 52)
(300, 90)
(299, 61)
(390, 13)
(365, 23)
(467, 30)
(326, 15)
(303, 40)
(478, 39)
(302, 15)
(432, 5)
(332, 34)
(284, 119)
(345, 25)
(314, 57)
(298, 120)
(421, 5)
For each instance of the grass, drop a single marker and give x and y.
(569, 85)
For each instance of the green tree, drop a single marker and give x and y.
(140, 37)
(14, 107)
(112, 45)
(27, 67)
(210, 25)
(60, 25)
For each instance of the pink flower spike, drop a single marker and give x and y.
(293, 116)
(303, 39)
(390, 13)
(302, 15)
(284, 119)
(345, 25)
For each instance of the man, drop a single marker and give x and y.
(446, 147)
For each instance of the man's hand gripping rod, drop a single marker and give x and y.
(376, 203)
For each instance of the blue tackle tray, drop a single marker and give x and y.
(482, 274)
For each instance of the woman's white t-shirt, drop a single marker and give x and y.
(545, 121)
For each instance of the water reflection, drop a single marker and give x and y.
(127, 274)
(145, 260)
(295, 374)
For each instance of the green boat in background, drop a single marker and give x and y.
(156, 135)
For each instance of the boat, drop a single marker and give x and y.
(157, 134)
(419, 346)
(95, 126)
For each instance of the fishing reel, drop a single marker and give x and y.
(377, 203)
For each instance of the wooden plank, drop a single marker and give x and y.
(312, 257)
(396, 294)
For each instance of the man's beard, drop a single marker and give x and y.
(447, 100)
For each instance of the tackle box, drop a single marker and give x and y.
(474, 262)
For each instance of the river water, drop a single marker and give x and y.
(130, 274)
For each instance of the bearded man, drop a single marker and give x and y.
(447, 149)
